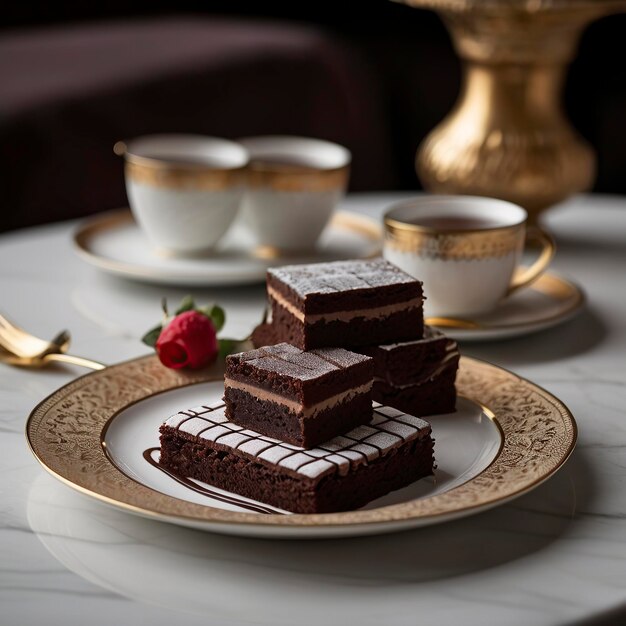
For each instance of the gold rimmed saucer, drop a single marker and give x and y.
(549, 301)
(531, 435)
(113, 243)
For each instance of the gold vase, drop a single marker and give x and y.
(506, 136)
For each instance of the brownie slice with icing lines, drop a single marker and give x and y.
(344, 473)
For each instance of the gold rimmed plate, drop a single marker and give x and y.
(113, 243)
(95, 434)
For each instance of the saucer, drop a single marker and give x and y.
(549, 301)
(114, 243)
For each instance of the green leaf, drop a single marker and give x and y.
(216, 315)
(187, 304)
(227, 346)
(151, 337)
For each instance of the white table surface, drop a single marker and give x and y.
(555, 556)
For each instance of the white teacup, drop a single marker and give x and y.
(184, 190)
(294, 183)
(465, 249)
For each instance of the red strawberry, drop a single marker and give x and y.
(189, 340)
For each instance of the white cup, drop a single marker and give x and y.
(294, 183)
(184, 190)
(465, 249)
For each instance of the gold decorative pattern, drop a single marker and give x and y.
(172, 176)
(467, 245)
(286, 178)
(65, 433)
(189, 177)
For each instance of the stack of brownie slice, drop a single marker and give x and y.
(324, 415)
(373, 308)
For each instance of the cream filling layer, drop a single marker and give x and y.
(294, 405)
(343, 316)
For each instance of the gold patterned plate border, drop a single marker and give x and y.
(65, 434)
(86, 232)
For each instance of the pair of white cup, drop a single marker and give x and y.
(186, 190)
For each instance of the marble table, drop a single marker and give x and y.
(555, 556)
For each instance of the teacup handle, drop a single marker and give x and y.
(532, 273)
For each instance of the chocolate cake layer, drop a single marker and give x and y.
(411, 362)
(432, 396)
(345, 473)
(303, 398)
(264, 335)
(416, 376)
(346, 303)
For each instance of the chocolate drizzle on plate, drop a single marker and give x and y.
(210, 493)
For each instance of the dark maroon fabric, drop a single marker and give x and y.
(69, 93)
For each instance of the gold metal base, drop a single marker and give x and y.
(506, 137)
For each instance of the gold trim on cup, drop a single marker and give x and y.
(295, 178)
(164, 175)
(472, 244)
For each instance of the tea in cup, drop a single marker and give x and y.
(294, 184)
(184, 190)
(466, 250)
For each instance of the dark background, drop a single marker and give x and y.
(376, 76)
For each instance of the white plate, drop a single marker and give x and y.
(467, 442)
(114, 243)
(507, 437)
(551, 300)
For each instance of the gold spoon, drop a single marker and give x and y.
(18, 347)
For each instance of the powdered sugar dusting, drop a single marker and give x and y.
(285, 359)
(340, 276)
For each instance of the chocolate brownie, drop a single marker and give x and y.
(303, 398)
(264, 335)
(417, 376)
(345, 473)
(430, 397)
(346, 303)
